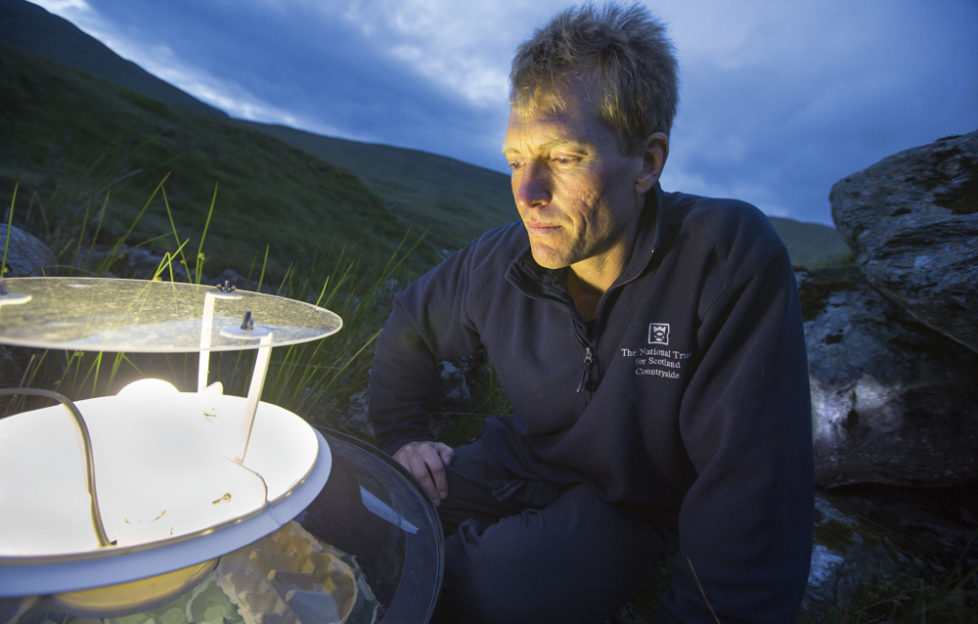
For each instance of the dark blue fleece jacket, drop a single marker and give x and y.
(688, 392)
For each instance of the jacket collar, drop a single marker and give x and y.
(646, 239)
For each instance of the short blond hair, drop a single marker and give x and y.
(628, 50)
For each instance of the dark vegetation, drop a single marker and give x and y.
(75, 144)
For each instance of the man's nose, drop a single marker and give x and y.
(531, 186)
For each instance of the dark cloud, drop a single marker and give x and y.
(831, 96)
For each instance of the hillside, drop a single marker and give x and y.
(31, 28)
(811, 244)
(73, 142)
(447, 200)
(450, 200)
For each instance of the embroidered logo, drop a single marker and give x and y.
(657, 359)
(659, 333)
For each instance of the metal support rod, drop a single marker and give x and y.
(206, 323)
(254, 390)
(226, 291)
(103, 539)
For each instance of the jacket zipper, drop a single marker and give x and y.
(588, 361)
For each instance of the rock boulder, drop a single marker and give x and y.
(912, 222)
(879, 538)
(26, 254)
(892, 400)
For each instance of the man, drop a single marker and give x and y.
(651, 344)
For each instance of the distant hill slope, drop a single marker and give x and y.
(451, 201)
(32, 28)
(73, 143)
(811, 244)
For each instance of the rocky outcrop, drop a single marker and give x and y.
(892, 400)
(844, 555)
(893, 353)
(892, 346)
(912, 222)
(26, 254)
(885, 538)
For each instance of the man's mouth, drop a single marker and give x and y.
(538, 228)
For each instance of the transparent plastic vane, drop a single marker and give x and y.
(99, 314)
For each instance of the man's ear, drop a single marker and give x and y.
(655, 151)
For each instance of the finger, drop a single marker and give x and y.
(439, 474)
(417, 467)
(447, 454)
(421, 460)
(431, 454)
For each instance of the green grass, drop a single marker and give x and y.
(70, 140)
(904, 599)
(304, 378)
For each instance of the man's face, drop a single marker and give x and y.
(574, 189)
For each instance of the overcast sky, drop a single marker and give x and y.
(779, 99)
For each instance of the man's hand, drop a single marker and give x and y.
(427, 461)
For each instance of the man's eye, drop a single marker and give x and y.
(566, 160)
(515, 164)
